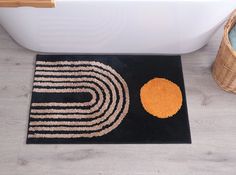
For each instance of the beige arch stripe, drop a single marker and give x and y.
(64, 68)
(85, 135)
(52, 84)
(92, 102)
(72, 123)
(63, 128)
(81, 82)
(70, 90)
(62, 111)
(91, 63)
(71, 111)
(59, 116)
(100, 77)
(55, 104)
(111, 109)
(79, 124)
(72, 73)
(110, 120)
(106, 130)
(69, 123)
(62, 63)
(38, 123)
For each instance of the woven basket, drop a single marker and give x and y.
(224, 67)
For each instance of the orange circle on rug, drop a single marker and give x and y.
(161, 97)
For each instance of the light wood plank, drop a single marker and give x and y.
(212, 115)
(30, 3)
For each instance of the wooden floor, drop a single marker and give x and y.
(212, 114)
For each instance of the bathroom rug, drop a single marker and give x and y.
(108, 99)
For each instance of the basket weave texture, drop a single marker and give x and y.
(224, 67)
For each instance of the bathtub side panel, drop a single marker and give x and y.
(168, 27)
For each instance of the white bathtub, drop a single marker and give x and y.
(117, 26)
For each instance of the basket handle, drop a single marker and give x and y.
(231, 21)
(228, 26)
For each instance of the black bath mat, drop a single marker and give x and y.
(108, 99)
